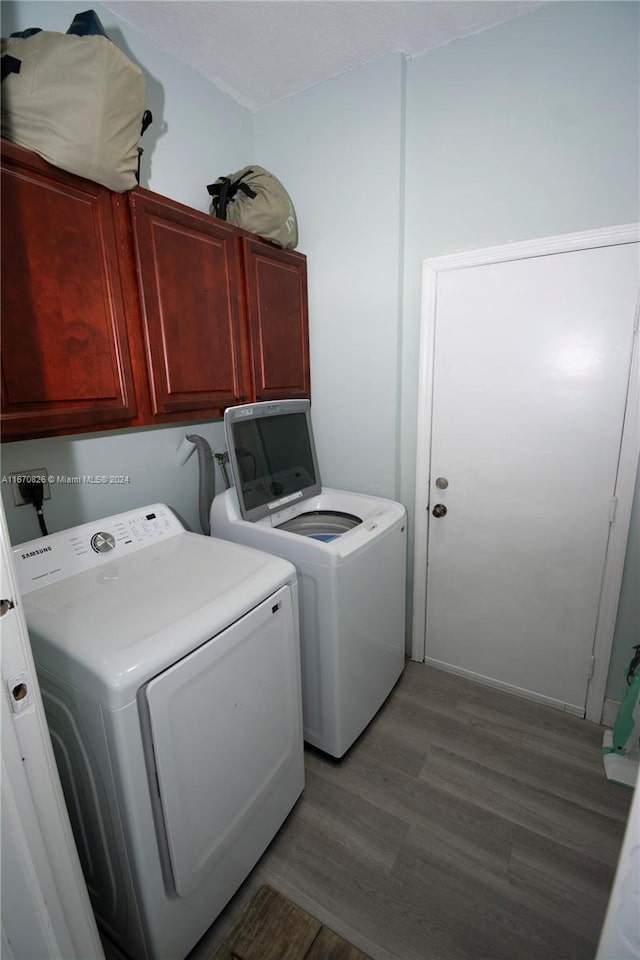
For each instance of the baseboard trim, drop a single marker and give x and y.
(609, 712)
(571, 708)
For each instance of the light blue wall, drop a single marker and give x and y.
(525, 130)
(197, 134)
(338, 147)
(146, 459)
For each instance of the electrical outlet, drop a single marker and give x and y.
(22, 476)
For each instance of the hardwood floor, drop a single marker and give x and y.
(464, 824)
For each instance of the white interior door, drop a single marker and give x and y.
(531, 362)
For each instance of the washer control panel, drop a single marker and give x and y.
(65, 554)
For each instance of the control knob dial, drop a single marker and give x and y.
(103, 542)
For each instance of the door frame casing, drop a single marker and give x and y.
(629, 449)
(40, 865)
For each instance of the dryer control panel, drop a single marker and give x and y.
(49, 559)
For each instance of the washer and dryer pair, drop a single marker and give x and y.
(175, 670)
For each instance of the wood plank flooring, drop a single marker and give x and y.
(274, 928)
(465, 824)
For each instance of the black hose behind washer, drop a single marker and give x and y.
(205, 457)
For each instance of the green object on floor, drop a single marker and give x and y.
(620, 746)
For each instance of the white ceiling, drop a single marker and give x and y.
(259, 51)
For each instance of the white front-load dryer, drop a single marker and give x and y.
(170, 674)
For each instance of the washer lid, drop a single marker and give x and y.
(110, 629)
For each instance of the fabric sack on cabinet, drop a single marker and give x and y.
(255, 200)
(77, 101)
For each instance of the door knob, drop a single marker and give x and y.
(439, 510)
(5, 606)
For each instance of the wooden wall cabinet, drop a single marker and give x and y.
(188, 271)
(133, 309)
(65, 354)
(276, 292)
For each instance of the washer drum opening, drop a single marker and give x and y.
(323, 525)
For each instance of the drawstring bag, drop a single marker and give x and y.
(76, 100)
(255, 200)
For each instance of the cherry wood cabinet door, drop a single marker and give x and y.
(276, 296)
(189, 276)
(65, 355)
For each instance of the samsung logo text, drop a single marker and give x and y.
(35, 553)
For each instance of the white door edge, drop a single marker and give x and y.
(629, 451)
(53, 913)
(618, 536)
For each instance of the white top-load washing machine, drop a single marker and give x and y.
(170, 674)
(350, 554)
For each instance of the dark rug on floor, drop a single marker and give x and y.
(274, 928)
